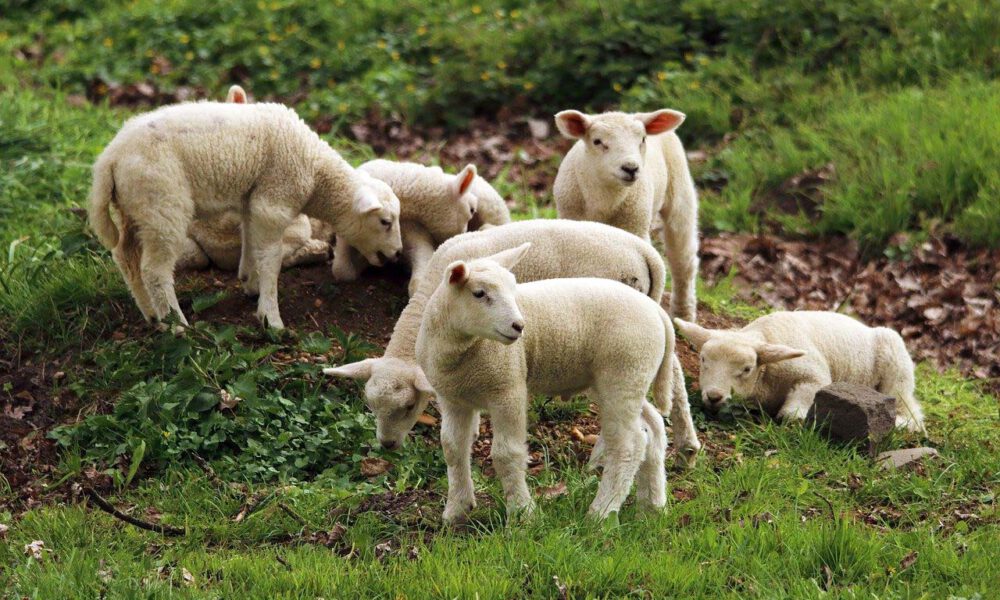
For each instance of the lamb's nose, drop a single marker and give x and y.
(518, 326)
(389, 444)
(398, 255)
(631, 169)
(714, 397)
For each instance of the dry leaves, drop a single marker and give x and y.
(373, 466)
(36, 549)
(553, 491)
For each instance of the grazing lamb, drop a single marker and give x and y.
(612, 175)
(169, 166)
(216, 241)
(434, 206)
(487, 343)
(780, 360)
(397, 390)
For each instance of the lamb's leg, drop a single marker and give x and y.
(799, 400)
(192, 257)
(684, 433)
(680, 238)
(159, 255)
(897, 379)
(247, 272)
(266, 228)
(348, 263)
(510, 452)
(457, 429)
(651, 480)
(625, 449)
(418, 247)
(128, 256)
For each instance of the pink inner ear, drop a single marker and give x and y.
(457, 274)
(466, 181)
(662, 122)
(239, 98)
(575, 124)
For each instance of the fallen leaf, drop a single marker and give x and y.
(553, 491)
(382, 550)
(428, 420)
(228, 401)
(3, 531)
(563, 590)
(908, 560)
(36, 549)
(187, 577)
(373, 466)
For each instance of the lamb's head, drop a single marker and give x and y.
(396, 391)
(375, 215)
(731, 361)
(615, 142)
(464, 202)
(482, 296)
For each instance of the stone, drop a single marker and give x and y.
(901, 458)
(853, 413)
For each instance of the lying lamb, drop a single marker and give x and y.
(397, 390)
(434, 206)
(612, 175)
(216, 241)
(169, 166)
(780, 360)
(487, 343)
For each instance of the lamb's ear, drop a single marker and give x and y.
(359, 370)
(771, 353)
(572, 123)
(420, 381)
(236, 95)
(366, 201)
(508, 258)
(696, 334)
(661, 121)
(463, 180)
(457, 273)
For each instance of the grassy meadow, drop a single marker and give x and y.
(899, 96)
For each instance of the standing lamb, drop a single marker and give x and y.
(216, 241)
(397, 390)
(434, 206)
(612, 175)
(172, 165)
(780, 360)
(487, 344)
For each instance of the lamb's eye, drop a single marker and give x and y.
(411, 406)
(643, 139)
(472, 210)
(746, 370)
(479, 293)
(386, 222)
(598, 142)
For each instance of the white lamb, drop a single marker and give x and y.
(216, 241)
(169, 166)
(487, 344)
(434, 206)
(397, 390)
(780, 360)
(614, 176)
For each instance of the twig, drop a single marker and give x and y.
(833, 513)
(252, 505)
(284, 562)
(291, 513)
(209, 471)
(114, 512)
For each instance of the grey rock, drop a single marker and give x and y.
(901, 458)
(853, 413)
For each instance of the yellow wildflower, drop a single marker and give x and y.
(293, 28)
(515, 13)
(616, 86)
(435, 59)
(394, 55)
(501, 65)
(315, 63)
(263, 50)
(149, 53)
(688, 57)
(410, 87)
(421, 30)
(485, 76)
(330, 83)
(343, 107)
(274, 74)
(275, 6)
(529, 86)
(381, 44)
(274, 37)
(694, 85)
(477, 9)
(498, 14)
(661, 75)
(189, 55)
(341, 45)
(154, 68)
(108, 42)
(703, 60)
(185, 38)
(262, 5)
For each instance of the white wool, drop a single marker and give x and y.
(781, 360)
(396, 389)
(434, 206)
(594, 185)
(489, 344)
(168, 166)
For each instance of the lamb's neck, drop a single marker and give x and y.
(403, 343)
(335, 189)
(611, 193)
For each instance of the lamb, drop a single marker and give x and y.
(216, 241)
(487, 343)
(397, 390)
(613, 176)
(434, 205)
(780, 360)
(171, 165)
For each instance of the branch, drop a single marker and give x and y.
(114, 512)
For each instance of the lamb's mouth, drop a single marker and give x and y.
(380, 259)
(507, 337)
(628, 179)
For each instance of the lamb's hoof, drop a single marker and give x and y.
(344, 272)
(273, 321)
(521, 513)
(686, 313)
(456, 514)
(688, 456)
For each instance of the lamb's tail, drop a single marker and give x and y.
(665, 384)
(102, 194)
(657, 272)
